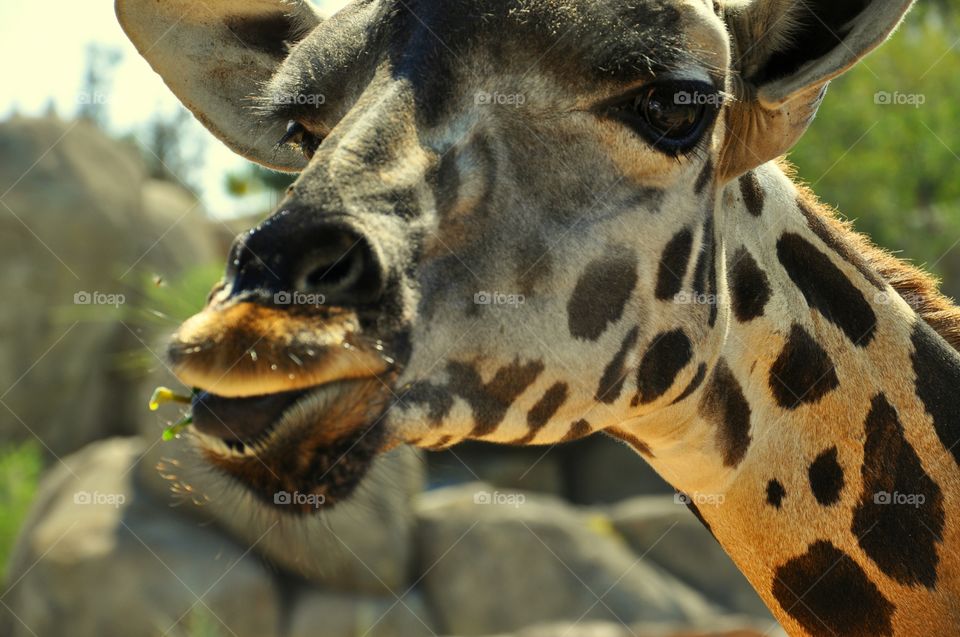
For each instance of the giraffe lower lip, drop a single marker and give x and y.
(241, 419)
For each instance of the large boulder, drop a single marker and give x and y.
(669, 535)
(332, 615)
(100, 556)
(493, 562)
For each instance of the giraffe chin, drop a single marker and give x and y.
(299, 451)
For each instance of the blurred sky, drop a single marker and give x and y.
(43, 48)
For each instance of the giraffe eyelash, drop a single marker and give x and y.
(297, 134)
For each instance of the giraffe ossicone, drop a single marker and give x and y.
(530, 221)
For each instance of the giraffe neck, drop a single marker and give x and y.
(820, 448)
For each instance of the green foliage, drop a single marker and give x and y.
(19, 473)
(885, 148)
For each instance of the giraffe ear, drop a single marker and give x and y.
(215, 55)
(784, 53)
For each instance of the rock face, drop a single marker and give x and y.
(671, 537)
(495, 562)
(80, 223)
(103, 557)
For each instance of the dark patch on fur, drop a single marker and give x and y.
(937, 368)
(666, 357)
(838, 244)
(541, 413)
(640, 446)
(694, 385)
(601, 293)
(673, 265)
(705, 273)
(752, 191)
(827, 289)
(649, 198)
(446, 183)
(826, 477)
(706, 175)
(534, 264)
(578, 430)
(489, 402)
(803, 372)
(775, 494)
(436, 398)
(749, 287)
(611, 383)
(724, 405)
(829, 594)
(900, 535)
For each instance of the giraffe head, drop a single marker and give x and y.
(504, 225)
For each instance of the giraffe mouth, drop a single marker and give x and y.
(299, 451)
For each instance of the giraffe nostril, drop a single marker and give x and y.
(344, 271)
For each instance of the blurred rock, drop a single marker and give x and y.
(521, 468)
(317, 613)
(364, 545)
(669, 535)
(496, 562)
(79, 222)
(100, 555)
(602, 470)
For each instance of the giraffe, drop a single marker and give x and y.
(527, 222)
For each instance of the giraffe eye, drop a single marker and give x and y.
(672, 116)
(298, 134)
